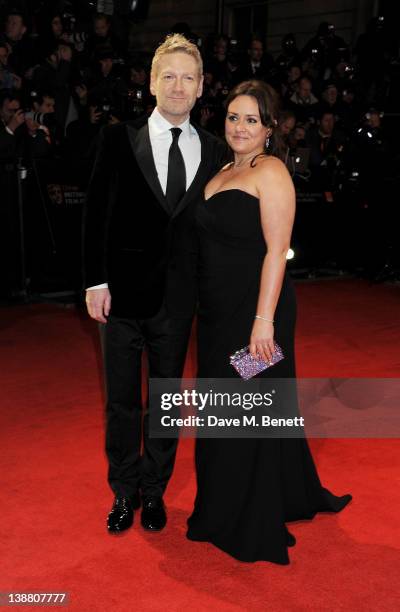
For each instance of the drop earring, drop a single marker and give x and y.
(267, 142)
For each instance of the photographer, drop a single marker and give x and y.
(371, 150)
(42, 112)
(102, 37)
(8, 80)
(134, 91)
(258, 64)
(326, 144)
(323, 50)
(104, 77)
(55, 26)
(330, 101)
(303, 103)
(20, 135)
(23, 55)
(11, 119)
(82, 134)
(286, 126)
(289, 83)
(290, 55)
(54, 74)
(218, 61)
(209, 110)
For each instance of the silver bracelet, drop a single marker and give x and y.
(264, 319)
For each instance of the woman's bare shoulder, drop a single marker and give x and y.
(272, 175)
(269, 163)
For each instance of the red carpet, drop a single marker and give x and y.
(55, 497)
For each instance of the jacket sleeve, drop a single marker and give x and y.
(8, 144)
(97, 213)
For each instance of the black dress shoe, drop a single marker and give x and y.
(121, 515)
(153, 516)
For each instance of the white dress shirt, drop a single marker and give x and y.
(161, 139)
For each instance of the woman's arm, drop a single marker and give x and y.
(277, 207)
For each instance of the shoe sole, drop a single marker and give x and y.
(117, 531)
(152, 528)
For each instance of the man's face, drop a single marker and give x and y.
(348, 97)
(299, 133)
(101, 27)
(304, 88)
(176, 85)
(47, 105)
(57, 26)
(3, 56)
(15, 28)
(330, 94)
(288, 126)
(138, 76)
(256, 51)
(294, 73)
(374, 120)
(327, 124)
(9, 109)
(220, 48)
(106, 65)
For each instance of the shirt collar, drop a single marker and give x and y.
(159, 125)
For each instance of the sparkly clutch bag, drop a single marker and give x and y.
(247, 366)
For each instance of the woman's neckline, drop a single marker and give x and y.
(230, 189)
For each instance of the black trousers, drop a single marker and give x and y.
(135, 460)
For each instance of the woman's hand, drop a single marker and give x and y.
(262, 340)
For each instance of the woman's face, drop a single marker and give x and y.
(244, 132)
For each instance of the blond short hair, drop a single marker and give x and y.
(176, 43)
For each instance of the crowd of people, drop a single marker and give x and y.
(64, 75)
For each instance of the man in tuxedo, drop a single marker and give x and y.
(140, 269)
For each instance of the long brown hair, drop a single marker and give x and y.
(268, 107)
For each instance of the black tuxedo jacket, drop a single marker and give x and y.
(132, 240)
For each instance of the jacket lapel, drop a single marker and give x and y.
(197, 186)
(141, 147)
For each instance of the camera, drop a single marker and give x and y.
(46, 119)
(106, 111)
(233, 51)
(69, 21)
(132, 103)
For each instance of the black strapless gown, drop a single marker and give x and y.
(247, 489)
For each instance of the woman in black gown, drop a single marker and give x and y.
(247, 489)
